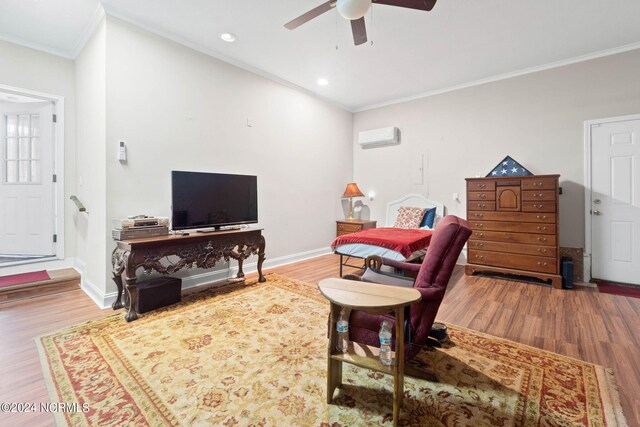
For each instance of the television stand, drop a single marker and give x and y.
(198, 250)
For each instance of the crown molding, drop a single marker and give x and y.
(36, 46)
(525, 71)
(95, 20)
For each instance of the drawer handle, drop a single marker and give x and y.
(538, 206)
(542, 228)
(482, 205)
(479, 257)
(478, 215)
(479, 224)
(541, 216)
(480, 234)
(538, 195)
(542, 251)
(538, 184)
(479, 245)
(482, 196)
(542, 239)
(482, 185)
(542, 264)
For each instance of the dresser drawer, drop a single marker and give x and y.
(539, 206)
(346, 226)
(539, 184)
(481, 206)
(516, 248)
(517, 261)
(512, 216)
(542, 195)
(516, 227)
(480, 185)
(343, 228)
(482, 195)
(501, 236)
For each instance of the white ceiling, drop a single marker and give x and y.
(413, 53)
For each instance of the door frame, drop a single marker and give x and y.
(58, 169)
(588, 223)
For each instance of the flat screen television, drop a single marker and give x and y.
(212, 200)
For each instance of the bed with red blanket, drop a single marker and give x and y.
(400, 244)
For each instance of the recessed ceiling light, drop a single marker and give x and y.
(228, 37)
(323, 82)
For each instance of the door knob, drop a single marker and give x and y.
(597, 213)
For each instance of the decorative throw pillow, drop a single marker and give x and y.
(409, 217)
(429, 218)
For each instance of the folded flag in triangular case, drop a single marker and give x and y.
(509, 167)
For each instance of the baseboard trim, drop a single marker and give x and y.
(98, 296)
(211, 277)
(103, 300)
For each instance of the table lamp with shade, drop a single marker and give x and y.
(350, 192)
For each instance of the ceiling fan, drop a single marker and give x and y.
(355, 10)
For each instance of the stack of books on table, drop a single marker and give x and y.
(139, 227)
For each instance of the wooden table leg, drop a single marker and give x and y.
(132, 290)
(240, 274)
(261, 259)
(398, 368)
(334, 367)
(117, 304)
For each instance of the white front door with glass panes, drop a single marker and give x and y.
(26, 184)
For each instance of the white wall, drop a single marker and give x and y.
(537, 119)
(178, 109)
(33, 70)
(91, 175)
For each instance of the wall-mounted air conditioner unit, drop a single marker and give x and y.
(379, 137)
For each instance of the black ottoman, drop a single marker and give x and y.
(159, 292)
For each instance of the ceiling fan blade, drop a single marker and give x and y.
(313, 13)
(411, 4)
(359, 31)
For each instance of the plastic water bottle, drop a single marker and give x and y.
(343, 333)
(385, 343)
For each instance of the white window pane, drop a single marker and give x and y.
(12, 125)
(35, 125)
(12, 171)
(23, 125)
(12, 149)
(35, 170)
(35, 149)
(25, 149)
(23, 171)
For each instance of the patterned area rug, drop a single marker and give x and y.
(255, 354)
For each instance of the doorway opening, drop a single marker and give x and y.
(31, 190)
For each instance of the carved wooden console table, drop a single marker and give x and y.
(198, 250)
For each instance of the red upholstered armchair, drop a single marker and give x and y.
(434, 273)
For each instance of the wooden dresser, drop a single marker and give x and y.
(346, 226)
(515, 226)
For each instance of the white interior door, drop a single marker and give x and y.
(615, 201)
(26, 181)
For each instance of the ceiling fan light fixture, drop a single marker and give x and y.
(353, 9)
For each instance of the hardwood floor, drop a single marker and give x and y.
(581, 323)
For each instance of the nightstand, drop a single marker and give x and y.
(346, 226)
